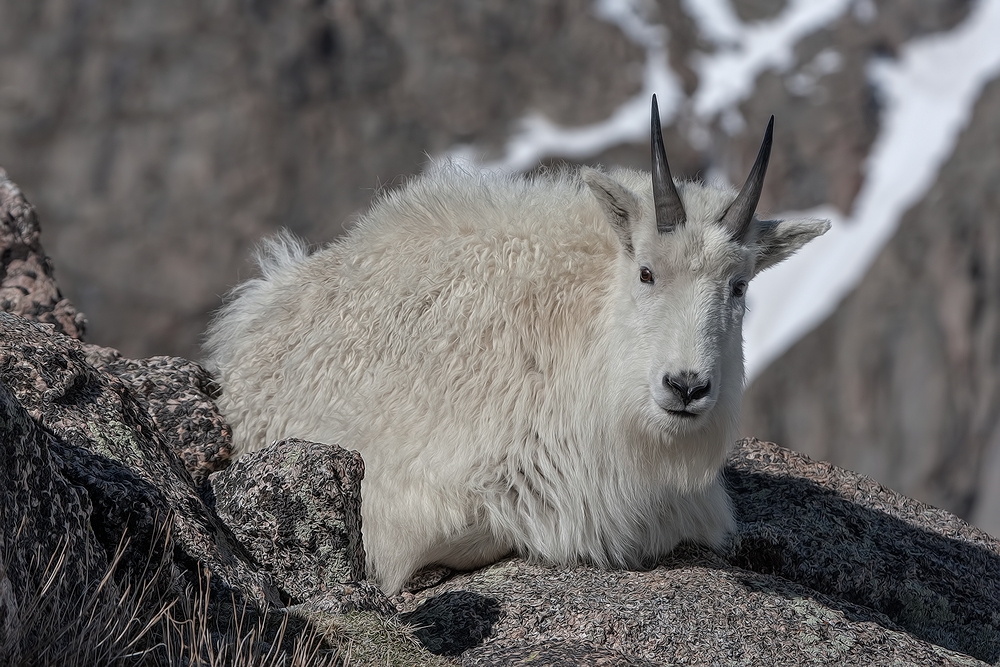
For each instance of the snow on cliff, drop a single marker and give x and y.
(927, 93)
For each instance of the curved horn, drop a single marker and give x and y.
(667, 203)
(740, 213)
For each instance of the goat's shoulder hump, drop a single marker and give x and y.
(451, 200)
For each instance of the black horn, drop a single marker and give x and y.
(740, 213)
(667, 203)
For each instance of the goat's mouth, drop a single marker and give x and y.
(679, 410)
(684, 414)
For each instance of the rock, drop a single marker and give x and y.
(27, 285)
(178, 395)
(104, 527)
(826, 567)
(114, 452)
(296, 506)
(550, 654)
(852, 539)
(118, 427)
(44, 515)
(88, 472)
(341, 599)
(32, 487)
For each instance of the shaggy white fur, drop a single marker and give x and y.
(494, 348)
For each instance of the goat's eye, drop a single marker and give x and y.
(739, 288)
(646, 276)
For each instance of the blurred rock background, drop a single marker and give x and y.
(161, 141)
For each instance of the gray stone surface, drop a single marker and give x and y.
(94, 486)
(114, 452)
(296, 506)
(339, 599)
(556, 653)
(44, 515)
(827, 567)
(178, 396)
(846, 536)
(27, 283)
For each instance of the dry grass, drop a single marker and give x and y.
(64, 622)
(367, 638)
(190, 634)
(61, 621)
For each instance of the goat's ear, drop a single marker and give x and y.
(778, 239)
(620, 205)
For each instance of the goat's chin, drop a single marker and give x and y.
(679, 421)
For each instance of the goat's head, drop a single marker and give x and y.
(688, 252)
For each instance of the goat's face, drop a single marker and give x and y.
(688, 295)
(687, 257)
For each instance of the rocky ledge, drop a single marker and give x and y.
(119, 497)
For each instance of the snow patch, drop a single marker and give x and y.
(865, 11)
(727, 76)
(803, 82)
(929, 93)
(537, 137)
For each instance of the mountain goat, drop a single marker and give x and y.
(550, 365)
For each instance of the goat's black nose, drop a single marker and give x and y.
(688, 386)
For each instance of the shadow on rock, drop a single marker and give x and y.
(906, 569)
(453, 622)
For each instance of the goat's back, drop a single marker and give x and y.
(440, 311)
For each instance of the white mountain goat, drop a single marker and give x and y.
(548, 365)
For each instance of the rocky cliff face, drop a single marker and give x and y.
(903, 381)
(161, 141)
